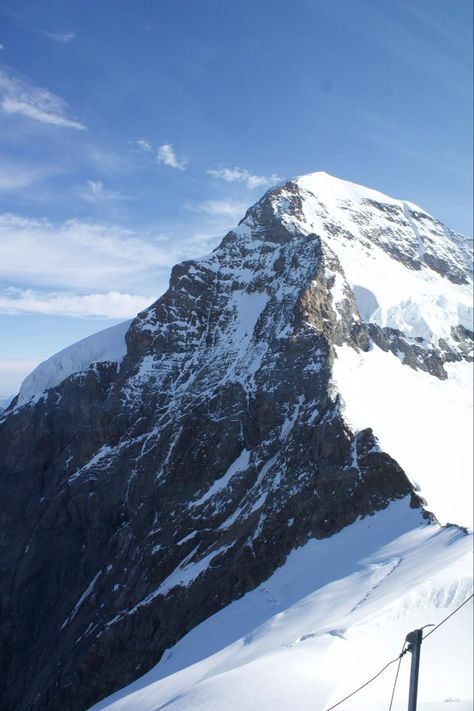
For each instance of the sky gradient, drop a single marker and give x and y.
(135, 134)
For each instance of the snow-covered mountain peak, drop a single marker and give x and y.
(332, 190)
(385, 260)
(338, 209)
(407, 270)
(307, 375)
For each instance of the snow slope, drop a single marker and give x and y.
(324, 623)
(426, 424)
(107, 345)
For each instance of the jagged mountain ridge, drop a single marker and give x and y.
(219, 443)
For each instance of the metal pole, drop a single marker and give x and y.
(413, 640)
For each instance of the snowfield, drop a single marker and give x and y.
(424, 423)
(107, 345)
(327, 621)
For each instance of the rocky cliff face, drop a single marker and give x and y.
(139, 497)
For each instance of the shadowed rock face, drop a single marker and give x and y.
(140, 498)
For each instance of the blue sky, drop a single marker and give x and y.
(135, 134)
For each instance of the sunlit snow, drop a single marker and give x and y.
(107, 345)
(426, 424)
(421, 303)
(325, 622)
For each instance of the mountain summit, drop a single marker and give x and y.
(309, 373)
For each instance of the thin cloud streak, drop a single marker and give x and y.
(15, 176)
(404, 43)
(223, 209)
(167, 156)
(18, 97)
(90, 268)
(112, 304)
(387, 134)
(242, 175)
(77, 254)
(75, 267)
(96, 192)
(61, 37)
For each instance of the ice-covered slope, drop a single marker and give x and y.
(107, 345)
(324, 623)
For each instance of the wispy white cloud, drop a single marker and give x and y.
(87, 268)
(111, 304)
(242, 175)
(166, 155)
(77, 255)
(77, 259)
(62, 37)
(95, 191)
(14, 176)
(73, 268)
(232, 209)
(144, 146)
(19, 97)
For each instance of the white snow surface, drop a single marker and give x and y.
(426, 424)
(239, 464)
(334, 191)
(421, 303)
(107, 345)
(327, 621)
